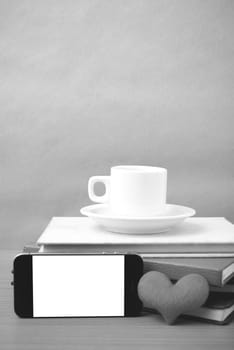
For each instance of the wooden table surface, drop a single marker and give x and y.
(144, 332)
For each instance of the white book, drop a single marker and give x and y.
(197, 235)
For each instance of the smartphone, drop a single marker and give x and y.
(71, 285)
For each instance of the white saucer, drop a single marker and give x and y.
(173, 215)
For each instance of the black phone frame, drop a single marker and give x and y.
(23, 284)
(133, 266)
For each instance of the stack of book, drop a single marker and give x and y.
(199, 245)
(219, 273)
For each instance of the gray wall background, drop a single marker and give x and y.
(85, 85)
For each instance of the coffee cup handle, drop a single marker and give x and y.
(92, 181)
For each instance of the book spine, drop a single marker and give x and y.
(225, 289)
(175, 272)
(125, 250)
(186, 255)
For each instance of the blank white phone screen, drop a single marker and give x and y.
(71, 285)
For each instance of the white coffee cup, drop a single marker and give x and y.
(132, 190)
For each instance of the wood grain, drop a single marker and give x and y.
(145, 332)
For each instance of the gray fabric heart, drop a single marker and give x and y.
(157, 292)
